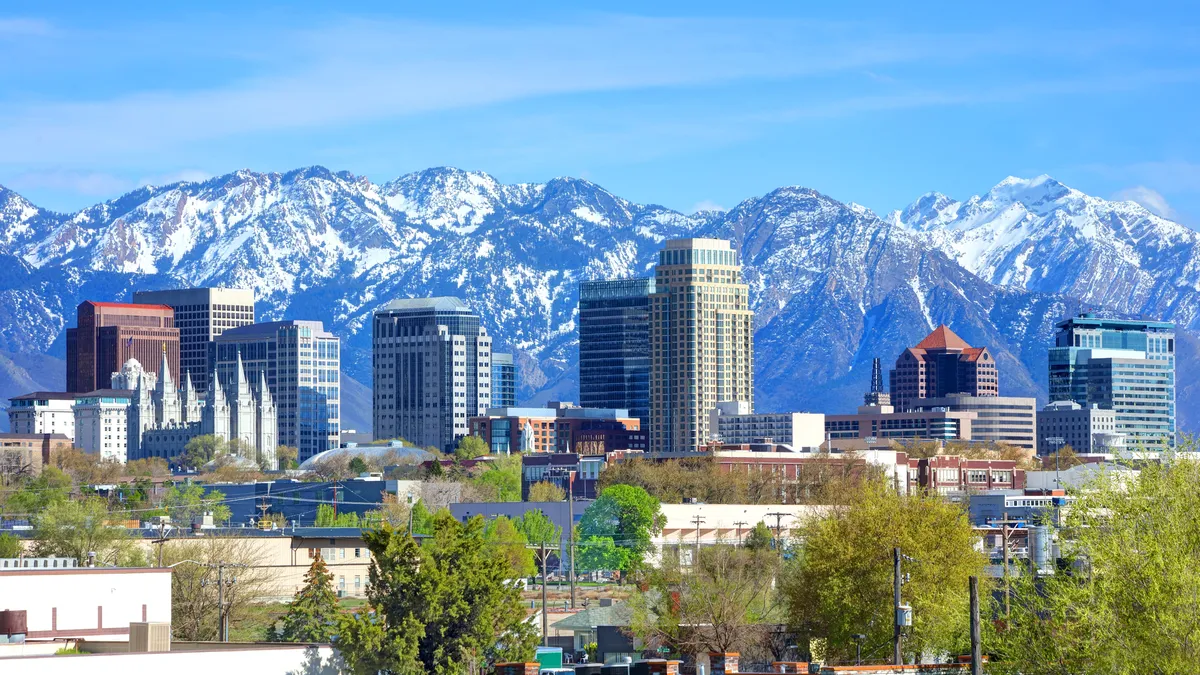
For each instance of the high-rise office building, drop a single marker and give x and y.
(201, 314)
(940, 365)
(300, 363)
(432, 371)
(614, 345)
(701, 341)
(504, 381)
(107, 334)
(1121, 365)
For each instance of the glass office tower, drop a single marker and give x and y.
(504, 381)
(614, 345)
(1126, 366)
(302, 364)
(433, 371)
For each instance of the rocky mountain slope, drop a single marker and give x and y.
(833, 284)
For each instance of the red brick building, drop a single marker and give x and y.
(940, 365)
(107, 334)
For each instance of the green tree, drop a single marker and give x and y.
(189, 503)
(72, 529)
(10, 546)
(422, 519)
(51, 487)
(470, 447)
(538, 529)
(725, 601)
(840, 582)
(444, 607)
(201, 450)
(358, 466)
(287, 456)
(312, 615)
(1125, 598)
(510, 543)
(501, 480)
(760, 537)
(327, 516)
(628, 516)
(600, 554)
(543, 491)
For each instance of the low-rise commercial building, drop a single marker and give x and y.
(558, 468)
(97, 603)
(732, 422)
(1011, 420)
(559, 427)
(42, 412)
(26, 454)
(1089, 429)
(877, 424)
(297, 501)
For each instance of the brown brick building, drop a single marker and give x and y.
(940, 365)
(26, 454)
(107, 334)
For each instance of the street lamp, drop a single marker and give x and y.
(858, 638)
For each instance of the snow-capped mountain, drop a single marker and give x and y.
(833, 284)
(1041, 235)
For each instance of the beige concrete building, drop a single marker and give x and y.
(701, 340)
(284, 555)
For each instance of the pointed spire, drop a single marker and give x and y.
(165, 383)
(264, 393)
(189, 392)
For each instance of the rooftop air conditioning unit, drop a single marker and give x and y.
(149, 636)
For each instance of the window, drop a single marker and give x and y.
(976, 476)
(358, 553)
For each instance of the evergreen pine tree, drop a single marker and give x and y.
(312, 615)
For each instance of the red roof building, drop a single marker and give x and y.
(942, 364)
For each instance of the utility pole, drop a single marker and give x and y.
(897, 634)
(221, 601)
(976, 642)
(697, 520)
(571, 529)
(1007, 589)
(545, 622)
(740, 524)
(778, 527)
(162, 539)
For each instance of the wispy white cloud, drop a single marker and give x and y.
(353, 72)
(1151, 199)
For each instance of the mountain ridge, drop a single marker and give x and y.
(833, 284)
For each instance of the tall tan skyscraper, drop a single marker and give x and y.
(701, 339)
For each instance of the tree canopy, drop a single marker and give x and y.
(1125, 597)
(840, 581)
(312, 615)
(544, 491)
(470, 447)
(447, 606)
(629, 517)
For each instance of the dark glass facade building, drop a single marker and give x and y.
(614, 345)
(504, 381)
(432, 363)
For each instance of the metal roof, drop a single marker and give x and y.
(439, 304)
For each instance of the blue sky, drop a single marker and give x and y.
(686, 104)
